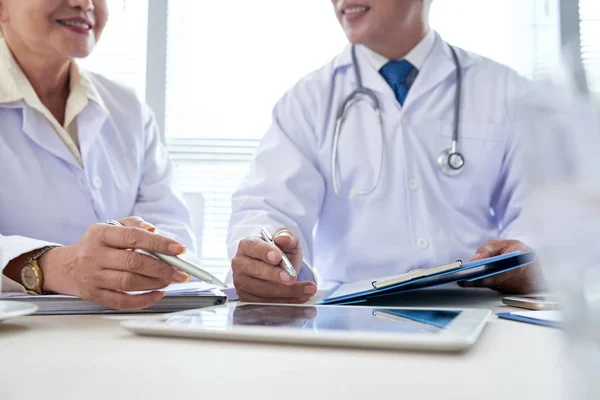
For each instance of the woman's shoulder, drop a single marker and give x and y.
(131, 119)
(117, 98)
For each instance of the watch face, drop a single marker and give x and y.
(29, 277)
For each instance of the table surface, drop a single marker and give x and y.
(93, 357)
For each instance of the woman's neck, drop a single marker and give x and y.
(50, 78)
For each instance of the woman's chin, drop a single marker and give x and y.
(78, 53)
(72, 49)
(81, 54)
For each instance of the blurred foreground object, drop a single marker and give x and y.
(560, 129)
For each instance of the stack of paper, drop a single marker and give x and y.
(180, 296)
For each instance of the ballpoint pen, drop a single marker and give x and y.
(182, 264)
(285, 262)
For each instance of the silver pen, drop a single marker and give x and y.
(182, 264)
(285, 262)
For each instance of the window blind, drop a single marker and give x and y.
(589, 13)
(213, 167)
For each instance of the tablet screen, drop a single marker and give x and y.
(318, 318)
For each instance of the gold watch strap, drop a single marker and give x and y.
(33, 260)
(40, 252)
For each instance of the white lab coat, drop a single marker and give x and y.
(47, 197)
(417, 216)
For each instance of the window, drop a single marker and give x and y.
(589, 11)
(123, 60)
(225, 72)
(523, 34)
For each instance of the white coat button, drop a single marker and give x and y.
(97, 182)
(422, 243)
(413, 184)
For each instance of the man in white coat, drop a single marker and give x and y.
(417, 215)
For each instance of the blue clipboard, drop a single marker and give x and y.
(360, 292)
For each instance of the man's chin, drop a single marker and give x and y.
(358, 42)
(357, 35)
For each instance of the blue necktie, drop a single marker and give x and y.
(396, 73)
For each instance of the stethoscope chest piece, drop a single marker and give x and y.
(451, 162)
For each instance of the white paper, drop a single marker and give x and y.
(189, 288)
(179, 296)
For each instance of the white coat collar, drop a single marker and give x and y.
(438, 67)
(416, 57)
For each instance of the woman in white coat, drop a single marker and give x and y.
(413, 213)
(76, 150)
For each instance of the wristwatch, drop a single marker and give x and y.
(31, 273)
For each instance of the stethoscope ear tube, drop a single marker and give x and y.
(354, 98)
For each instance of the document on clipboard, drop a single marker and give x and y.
(361, 292)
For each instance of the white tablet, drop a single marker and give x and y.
(348, 326)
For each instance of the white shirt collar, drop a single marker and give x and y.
(417, 56)
(14, 86)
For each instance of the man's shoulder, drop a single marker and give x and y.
(483, 65)
(319, 81)
(317, 85)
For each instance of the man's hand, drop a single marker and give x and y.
(517, 281)
(258, 277)
(102, 266)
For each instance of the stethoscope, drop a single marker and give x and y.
(450, 160)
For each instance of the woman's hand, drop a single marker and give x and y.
(101, 267)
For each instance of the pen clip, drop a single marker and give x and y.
(416, 274)
(285, 262)
(266, 236)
